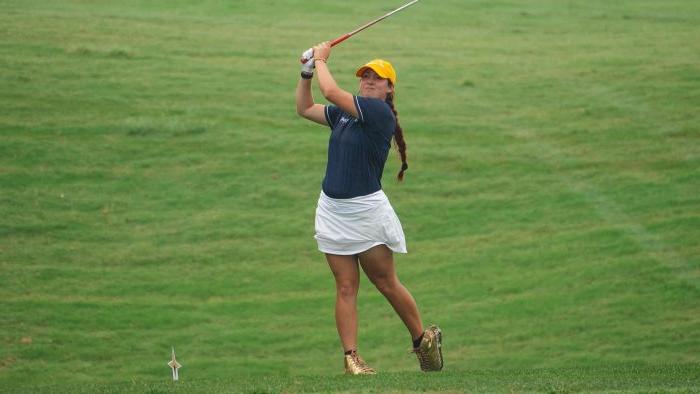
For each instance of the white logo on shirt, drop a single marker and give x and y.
(345, 119)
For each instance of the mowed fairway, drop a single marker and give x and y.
(157, 189)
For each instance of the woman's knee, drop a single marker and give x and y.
(386, 284)
(347, 290)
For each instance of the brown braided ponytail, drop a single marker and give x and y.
(398, 136)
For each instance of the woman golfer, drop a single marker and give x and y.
(355, 223)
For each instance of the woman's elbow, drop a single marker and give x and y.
(302, 106)
(301, 111)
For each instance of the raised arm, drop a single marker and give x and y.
(305, 103)
(329, 88)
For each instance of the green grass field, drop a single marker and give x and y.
(157, 189)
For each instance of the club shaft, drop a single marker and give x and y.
(363, 27)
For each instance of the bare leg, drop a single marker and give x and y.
(378, 264)
(347, 283)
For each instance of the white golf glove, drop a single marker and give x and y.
(307, 63)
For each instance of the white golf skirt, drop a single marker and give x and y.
(353, 225)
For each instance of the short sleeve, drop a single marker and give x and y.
(375, 113)
(372, 111)
(332, 114)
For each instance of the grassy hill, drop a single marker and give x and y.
(157, 189)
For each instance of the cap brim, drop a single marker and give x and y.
(379, 72)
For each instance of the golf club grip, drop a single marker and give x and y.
(340, 39)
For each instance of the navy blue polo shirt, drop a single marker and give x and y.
(358, 148)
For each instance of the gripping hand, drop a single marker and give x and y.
(307, 64)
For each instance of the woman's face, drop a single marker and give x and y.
(372, 85)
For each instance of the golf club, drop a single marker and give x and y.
(309, 53)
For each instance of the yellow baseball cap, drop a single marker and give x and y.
(383, 68)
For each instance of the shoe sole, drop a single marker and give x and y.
(438, 335)
(347, 373)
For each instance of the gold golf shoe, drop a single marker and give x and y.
(355, 365)
(429, 352)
